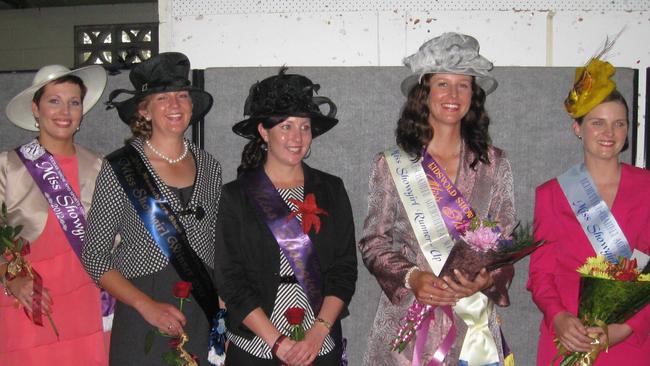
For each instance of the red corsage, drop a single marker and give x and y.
(309, 211)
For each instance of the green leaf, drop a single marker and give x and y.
(17, 230)
(7, 244)
(172, 358)
(148, 341)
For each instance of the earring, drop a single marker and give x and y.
(579, 137)
(264, 147)
(308, 154)
(36, 124)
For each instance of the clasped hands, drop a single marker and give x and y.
(432, 290)
(575, 337)
(303, 353)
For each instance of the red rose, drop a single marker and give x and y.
(174, 342)
(182, 289)
(294, 315)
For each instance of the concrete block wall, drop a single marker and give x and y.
(31, 38)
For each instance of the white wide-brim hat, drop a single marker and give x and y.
(19, 109)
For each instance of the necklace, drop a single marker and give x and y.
(164, 157)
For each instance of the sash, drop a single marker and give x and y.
(64, 203)
(163, 225)
(294, 243)
(595, 218)
(435, 207)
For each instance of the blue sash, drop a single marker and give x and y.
(595, 218)
(163, 225)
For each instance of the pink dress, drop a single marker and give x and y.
(553, 280)
(76, 303)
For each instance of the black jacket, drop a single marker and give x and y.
(247, 260)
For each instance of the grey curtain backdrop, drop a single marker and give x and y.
(528, 122)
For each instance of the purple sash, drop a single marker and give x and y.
(454, 208)
(64, 203)
(294, 243)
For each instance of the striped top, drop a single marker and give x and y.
(288, 295)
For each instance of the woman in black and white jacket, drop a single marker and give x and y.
(141, 270)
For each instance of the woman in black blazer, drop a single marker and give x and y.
(285, 233)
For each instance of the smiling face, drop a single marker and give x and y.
(59, 111)
(170, 113)
(603, 131)
(450, 96)
(288, 141)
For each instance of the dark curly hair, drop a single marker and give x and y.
(254, 154)
(414, 132)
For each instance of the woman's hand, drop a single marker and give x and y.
(283, 349)
(22, 288)
(617, 333)
(431, 290)
(304, 352)
(571, 332)
(167, 318)
(464, 287)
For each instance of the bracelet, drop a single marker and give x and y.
(407, 277)
(327, 324)
(276, 345)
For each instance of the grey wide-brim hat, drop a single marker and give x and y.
(19, 109)
(450, 53)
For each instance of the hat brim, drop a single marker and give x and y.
(486, 82)
(19, 109)
(319, 125)
(201, 104)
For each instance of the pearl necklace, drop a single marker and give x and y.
(164, 157)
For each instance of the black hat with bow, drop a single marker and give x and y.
(285, 95)
(165, 72)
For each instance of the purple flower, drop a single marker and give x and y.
(483, 238)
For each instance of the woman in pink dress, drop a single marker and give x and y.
(601, 124)
(51, 164)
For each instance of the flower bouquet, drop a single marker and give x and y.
(483, 245)
(176, 355)
(14, 249)
(609, 294)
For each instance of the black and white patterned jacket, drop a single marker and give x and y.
(136, 254)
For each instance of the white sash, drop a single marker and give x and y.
(435, 243)
(421, 208)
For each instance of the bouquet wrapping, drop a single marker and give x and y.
(481, 245)
(609, 294)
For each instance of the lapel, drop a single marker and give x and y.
(313, 184)
(89, 165)
(466, 175)
(26, 202)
